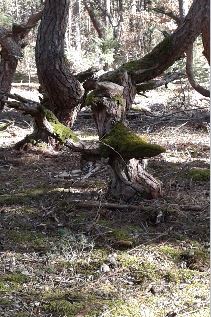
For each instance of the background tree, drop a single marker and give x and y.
(12, 42)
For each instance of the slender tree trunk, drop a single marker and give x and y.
(77, 31)
(63, 90)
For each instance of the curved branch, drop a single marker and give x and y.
(170, 14)
(155, 83)
(190, 74)
(206, 36)
(168, 51)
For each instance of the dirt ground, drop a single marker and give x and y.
(60, 259)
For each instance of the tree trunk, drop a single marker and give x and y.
(206, 34)
(54, 74)
(12, 43)
(8, 65)
(128, 175)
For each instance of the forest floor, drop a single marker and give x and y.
(60, 259)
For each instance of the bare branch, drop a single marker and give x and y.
(190, 74)
(170, 14)
(155, 83)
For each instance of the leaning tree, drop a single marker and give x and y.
(109, 96)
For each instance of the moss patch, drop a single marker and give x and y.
(22, 197)
(128, 144)
(199, 174)
(172, 252)
(150, 60)
(90, 98)
(59, 129)
(28, 239)
(17, 278)
(179, 276)
(64, 307)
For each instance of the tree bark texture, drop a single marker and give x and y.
(12, 43)
(128, 176)
(54, 74)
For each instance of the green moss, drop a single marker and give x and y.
(21, 197)
(179, 276)
(150, 60)
(64, 307)
(90, 98)
(60, 130)
(127, 260)
(28, 239)
(70, 305)
(3, 287)
(120, 308)
(199, 174)
(172, 252)
(128, 144)
(22, 314)
(146, 271)
(26, 196)
(119, 100)
(121, 234)
(131, 66)
(17, 278)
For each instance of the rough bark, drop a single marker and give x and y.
(155, 83)
(55, 76)
(128, 175)
(12, 43)
(206, 34)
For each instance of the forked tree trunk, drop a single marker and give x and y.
(54, 73)
(128, 175)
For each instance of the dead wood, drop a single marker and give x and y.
(124, 207)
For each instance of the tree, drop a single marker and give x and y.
(112, 94)
(62, 88)
(12, 44)
(189, 52)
